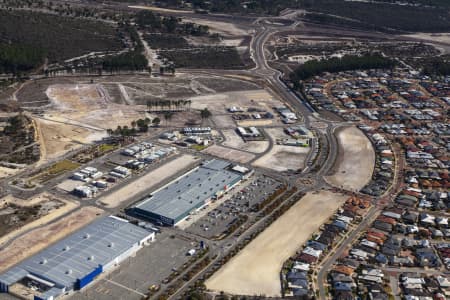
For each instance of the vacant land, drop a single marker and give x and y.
(50, 209)
(356, 160)
(256, 269)
(38, 239)
(282, 158)
(220, 102)
(223, 28)
(148, 181)
(6, 172)
(229, 154)
(75, 112)
(233, 140)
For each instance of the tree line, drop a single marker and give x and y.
(152, 22)
(348, 62)
(17, 59)
(168, 105)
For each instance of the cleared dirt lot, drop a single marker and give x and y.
(36, 240)
(282, 158)
(355, 162)
(6, 172)
(223, 28)
(219, 102)
(147, 181)
(235, 141)
(75, 111)
(255, 270)
(229, 154)
(39, 199)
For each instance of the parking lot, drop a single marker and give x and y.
(216, 221)
(151, 266)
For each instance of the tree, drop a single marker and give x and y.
(156, 121)
(205, 114)
(168, 116)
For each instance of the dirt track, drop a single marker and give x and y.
(255, 270)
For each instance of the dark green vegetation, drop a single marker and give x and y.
(15, 216)
(17, 143)
(18, 58)
(129, 61)
(140, 125)
(428, 15)
(165, 41)
(60, 38)
(65, 9)
(347, 62)
(146, 19)
(433, 66)
(205, 57)
(380, 16)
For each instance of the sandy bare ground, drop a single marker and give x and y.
(6, 172)
(55, 213)
(282, 158)
(40, 238)
(147, 181)
(218, 103)
(223, 28)
(162, 10)
(60, 138)
(356, 160)
(229, 154)
(68, 97)
(442, 38)
(256, 269)
(235, 141)
(80, 114)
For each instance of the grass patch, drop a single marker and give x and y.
(104, 148)
(54, 170)
(199, 147)
(62, 166)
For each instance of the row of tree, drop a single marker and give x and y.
(348, 62)
(168, 105)
(140, 125)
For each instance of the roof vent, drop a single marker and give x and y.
(87, 235)
(90, 258)
(110, 245)
(43, 261)
(66, 248)
(68, 272)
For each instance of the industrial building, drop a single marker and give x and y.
(74, 262)
(175, 201)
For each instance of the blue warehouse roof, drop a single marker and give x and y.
(80, 253)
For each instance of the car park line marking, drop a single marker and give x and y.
(125, 287)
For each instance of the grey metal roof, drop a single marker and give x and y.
(216, 164)
(80, 253)
(190, 190)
